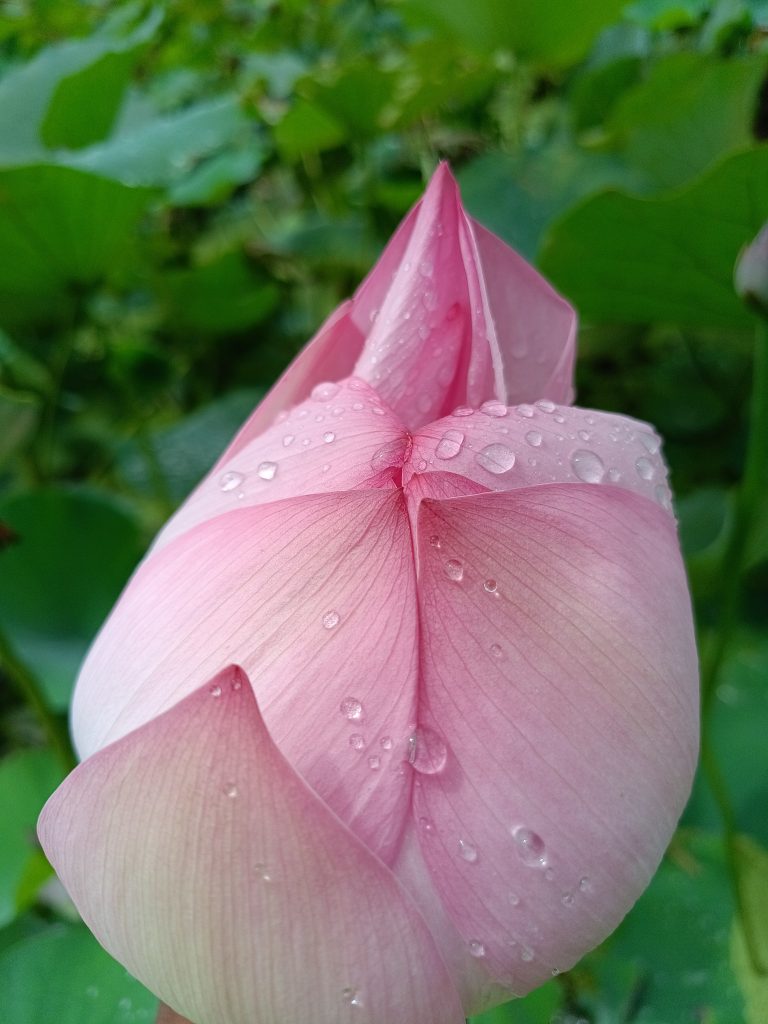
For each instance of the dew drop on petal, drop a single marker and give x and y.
(263, 871)
(494, 408)
(530, 847)
(587, 466)
(267, 470)
(463, 410)
(513, 899)
(352, 709)
(386, 742)
(427, 751)
(649, 442)
(567, 899)
(454, 570)
(215, 691)
(449, 445)
(374, 762)
(644, 468)
(230, 480)
(585, 885)
(476, 948)
(534, 438)
(426, 824)
(356, 741)
(496, 458)
(496, 650)
(545, 405)
(231, 790)
(288, 440)
(324, 392)
(329, 436)
(526, 410)
(434, 540)
(467, 851)
(331, 620)
(526, 954)
(490, 586)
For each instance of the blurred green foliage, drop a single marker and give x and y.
(186, 190)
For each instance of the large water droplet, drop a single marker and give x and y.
(649, 442)
(231, 480)
(644, 468)
(449, 445)
(329, 436)
(587, 466)
(530, 847)
(534, 438)
(476, 948)
(352, 709)
(427, 751)
(490, 586)
(324, 392)
(454, 570)
(467, 851)
(545, 405)
(494, 408)
(267, 470)
(331, 620)
(496, 458)
(525, 410)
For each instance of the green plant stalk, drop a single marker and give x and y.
(29, 689)
(746, 507)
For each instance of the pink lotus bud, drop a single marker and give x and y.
(464, 721)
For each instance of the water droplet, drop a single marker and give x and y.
(614, 475)
(358, 406)
(496, 650)
(231, 480)
(215, 691)
(374, 762)
(530, 847)
(356, 741)
(585, 885)
(491, 586)
(231, 790)
(549, 874)
(649, 442)
(545, 405)
(463, 410)
(534, 438)
(526, 410)
(426, 267)
(434, 540)
(454, 570)
(329, 436)
(449, 445)
(288, 440)
(526, 954)
(351, 996)
(467, 851)
(267, 470)
(476, 948)
(352, 709)
(426, 824)
(644, 468)
(427, 751)
(331, 620)
(324, 392)
(584, 435)
(496, 458)
(386, 742)
(263, 871)
(555, 971)
(494, 408)
(514, 899)
(567, 899)
(377, 410)
(663, 497)
(587, 466)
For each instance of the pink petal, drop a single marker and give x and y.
(205, 865)
(315, 598)
(500, 448)
(330, 442)
(558, 667)
(165, 1015)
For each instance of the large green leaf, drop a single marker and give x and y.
(711, 115)
(27, 779)
(547, 31)
(624, 259)
(63, 975)
(68, 94)
(60, 226)
(58, 581)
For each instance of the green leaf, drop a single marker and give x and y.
(18, 418)
(183, 453)
(752, 871)
(557, 32)
(307, 129)
(82, 983)
(68, 94)
(212, 181)
(540, 1007)
(666, 15)
(217, 297)
(27, 779)
(162, 150)
(753, 984)
(668, 960)
(623, 259)
(712, 112)
(75, 552)
(60, 226)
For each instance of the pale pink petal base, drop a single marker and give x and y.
(165, 1015)
(205, 865)
(559, 669)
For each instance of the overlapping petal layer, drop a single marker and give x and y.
(558, 669)
(202, 861)
(315, 598)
